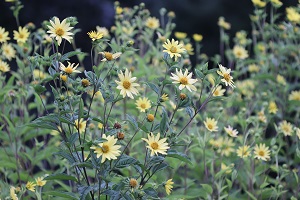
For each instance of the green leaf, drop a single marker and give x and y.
(251, 196)
(39, 89)
(199, 74)
(154, 87)
(60, 176)
(180, 156)
(164, 122)
(125, 161)
(132, 121)
(67, 195)
(207, 188)
(69, 54)
(84, 191)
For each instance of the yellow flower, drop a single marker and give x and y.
(169, 186)
(286, 128)
(259, 3)
(292, 15)
(156, 145)
(127, 85)
(80, 125)
(230, 131)
(273, 107)
(243, 151)
(219, 91)
(185, 80)
(21, 35)
(3, 35)
(189, 48)
(143, 104)
(102, 30)
(12, 192)
(38, 74)
(211, 124)
(69, 69)
(164, 97)
(197, 37)
(109, 56)
(276, 3)
(240, 52)
(152, 22)
(280, 79)
(180, 35)
(8, 51)
(261, 116)
(30, 186)
(225, 73)
(226, 147)
(297, 132)
(95, 35)
(60, 30)
(262, 152)
(174, 49)
(40, 181)
(295, 95)
(4, 66)
(100, 125)
(119, 10)
(108, 150)
(228, 169)
(223, 24)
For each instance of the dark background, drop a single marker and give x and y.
(192, 16)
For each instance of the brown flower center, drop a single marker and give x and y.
(143, 105)
(21, 35)
(59, 32)
(173, 49)
(133, 182)
(105, 148)
(69, 70)
(154, 145)
(261, 153)
(126, 84)
(1, 36)
(108, 56)
(184, 81)
(210, 126)
(226, 77)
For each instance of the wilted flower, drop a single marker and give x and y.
(30, 186)
(219, 91)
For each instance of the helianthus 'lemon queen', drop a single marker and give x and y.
(294, 95)
(12, 192)
(240, 52)
(169, 186)
(230, 131)
(243, 151)
(3, 35)
(4, 66)
(60, 30)
(211, 124)
(109, 56)
(225, 73)
(286, 128)
(219, 91)
(173, 48)
(127, 85)
(156, 145)
(30, 186)
(69, 69)
(152, 23)
(95, 35)
(21, 35)
(262, 152)
(108, 150)
(8, 51)
(143, 104)
(185, 80)
(80, 125)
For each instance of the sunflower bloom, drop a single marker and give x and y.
(240, 52)
(95, 35)
(225, 73)
(69, 69)
(30, 186)
(8, 51)
(80, 125)
(219, 91)
(230, 131)
(60, 30)
(294, 96)
(156, 145)
(127, 85)
(108, 150)
(292, 15)
(143, 104)
(109, 56)
(273, 107)
(185, 80)
(243, 151)
(226, 147)
(12, 192)
(259, 3)
(286, 128)
(3, 35)
(152, 23)
(21, 35)
(211, 124)
(173, 48)
(262, 152)
(4, 66)
(40, 181)
(169, 186)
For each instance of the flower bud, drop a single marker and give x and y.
(150, 118)
(85, 82)
(117, 125)
(120, 135)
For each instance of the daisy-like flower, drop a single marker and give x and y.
(40, 181)
(80, 125)
(211, 124)
(297, 132)
(225, 73)
(243, 151)
(230, 131)
(280, 79)
(8, 51)
(223, 24)
(173, 48)
(38, 74)
(185, 80)
(294, 96)
(286, 128)
(21, 35)
(276, 3)
(240, 52)
(262, 152)
(253, 68)
(197, 37)
(30, 186)
(189, 48)
(60, 30)
(180, 35)
(262, 116)
(4, 66)
(169, 186)
(143, 104)
(292, 15)
(219, 91)
(108, 150)
(164, 97)
(12, 193)
(273, 107)
(156, 145)
(127, 85)
(109, 56)
(228, 169)
(152, 23)
(227, 147)
(3, 35)
(95, 35)
(259, 3)
(102, 30)
(69, 69)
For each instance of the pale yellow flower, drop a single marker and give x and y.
(169, 186)
(294, 95)
(223, 24)
(107, 56)
(81, 124)
(185, 80)
(240, 52)
(189, 48)
(219, 91)
(143, 104)
(100, 125)
(38, 74)
(127, 85)
(173, 48)
(119, 10)
(3, 35)
(280, 79)
(180, 35)
(230, 131)
(102, 30)
(152, 23)
(276, 3)
(197, 37)
(164, 97)
(261, 152)
(8, 51)
(286, 128)
(21, 35)
(69, 69)
(4, 66)
(156, 145)
(262, 116)
(12, 192)
(297, 130)
(40, 181)
(292, 15)
(253, 68)
(211, 124)
(60, 30)
(108, 150)
(226, 147)
(273, 107)
(228, 169)
(259, 3)
(243, 151)
(225, 73)
(30, 186)
(95, 35)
